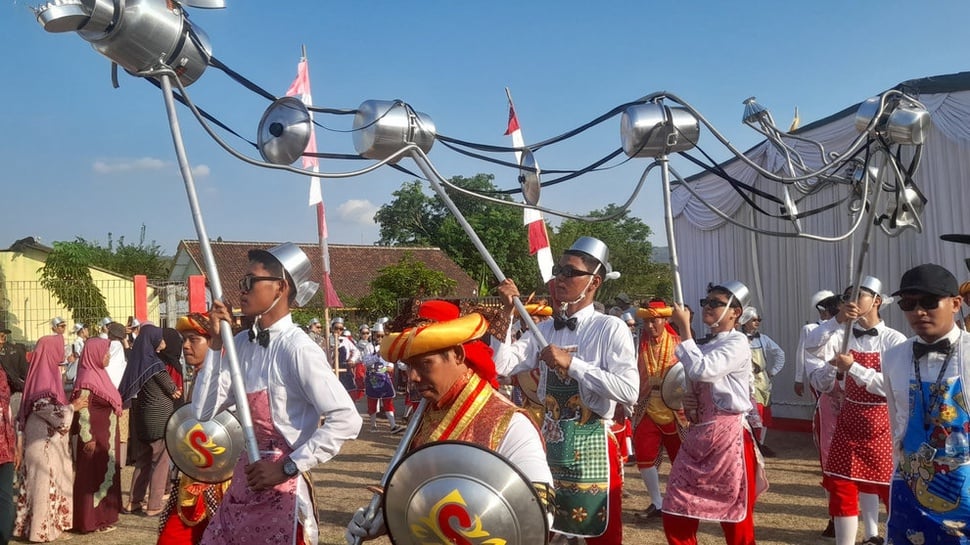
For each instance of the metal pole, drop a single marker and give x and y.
(215, 285)
(669, 226)
(866, 239)
(432, 176)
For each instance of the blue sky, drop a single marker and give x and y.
(83, 159)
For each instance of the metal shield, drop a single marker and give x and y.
(674, 387)
(204, 450)
(457, 492)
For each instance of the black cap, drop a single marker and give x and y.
(928, 278)
(5, 331)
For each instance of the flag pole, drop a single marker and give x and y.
(325, 281)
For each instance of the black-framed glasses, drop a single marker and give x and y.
(925, 302)
(713, 303)
(569, 271)
(756, 320)
(246, 282)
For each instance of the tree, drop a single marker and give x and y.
(416, 218)
(406, 279)
(66, 274)
(630, 250)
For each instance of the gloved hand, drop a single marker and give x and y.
(364, 529)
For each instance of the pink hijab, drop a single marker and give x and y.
(44, 375)
(92, 376)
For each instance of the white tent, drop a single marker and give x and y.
(783, 273)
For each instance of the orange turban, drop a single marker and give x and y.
(464, 331)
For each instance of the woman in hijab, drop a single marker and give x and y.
(45, 500)
(147, 378)
(97, 489)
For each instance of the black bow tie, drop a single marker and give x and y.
(861, 332)
(560, 322)
(262, 337)
(920, 349)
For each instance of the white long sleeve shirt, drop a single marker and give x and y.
(825, 341)
(773, 354)
(301, 386)
(725, 363)
(604, 363)
(899, 372)
(802, 355)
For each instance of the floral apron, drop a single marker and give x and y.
(577, 452)
(707, 480)
(266, 516)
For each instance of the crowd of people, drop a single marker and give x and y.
(593, 390)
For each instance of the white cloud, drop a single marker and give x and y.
(128, 165)
(115, 166)
(359, 211)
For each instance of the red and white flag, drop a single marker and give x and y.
(301, 88)
(532, 218)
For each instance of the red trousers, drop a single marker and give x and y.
(387, 405)
(648, 437)
(683, 530)
(844, 495)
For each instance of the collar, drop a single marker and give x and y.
(582, 314)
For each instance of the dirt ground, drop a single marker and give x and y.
(791, 512)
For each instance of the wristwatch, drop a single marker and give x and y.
(289, 467)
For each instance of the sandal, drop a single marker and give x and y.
(131, 509)
(151, 512)
(106, 529)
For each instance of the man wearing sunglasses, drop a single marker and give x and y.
(589, 366)
(927, 380)
(716, 475)
(858, 468)
(290, 387)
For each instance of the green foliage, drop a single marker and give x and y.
(416, 218)
(66, 274)
(406, 279)
(630, 250)
(128, 259)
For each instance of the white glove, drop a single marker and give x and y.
(364, 529)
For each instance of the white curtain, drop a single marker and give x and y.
(790, 270)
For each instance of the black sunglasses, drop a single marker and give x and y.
(569, 271)
(713, 303)
(246, 282)
(925, 302)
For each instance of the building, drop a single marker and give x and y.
(26, 307)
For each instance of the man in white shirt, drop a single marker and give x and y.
(717, 474)
(927, 381)
(767, 360)
(858, 468)
(589, 366)
(290, 387)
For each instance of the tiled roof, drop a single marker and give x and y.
(352, 268)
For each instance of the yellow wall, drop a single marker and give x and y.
(28, 307)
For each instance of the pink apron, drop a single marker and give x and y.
(266, 516)
(707, 479)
